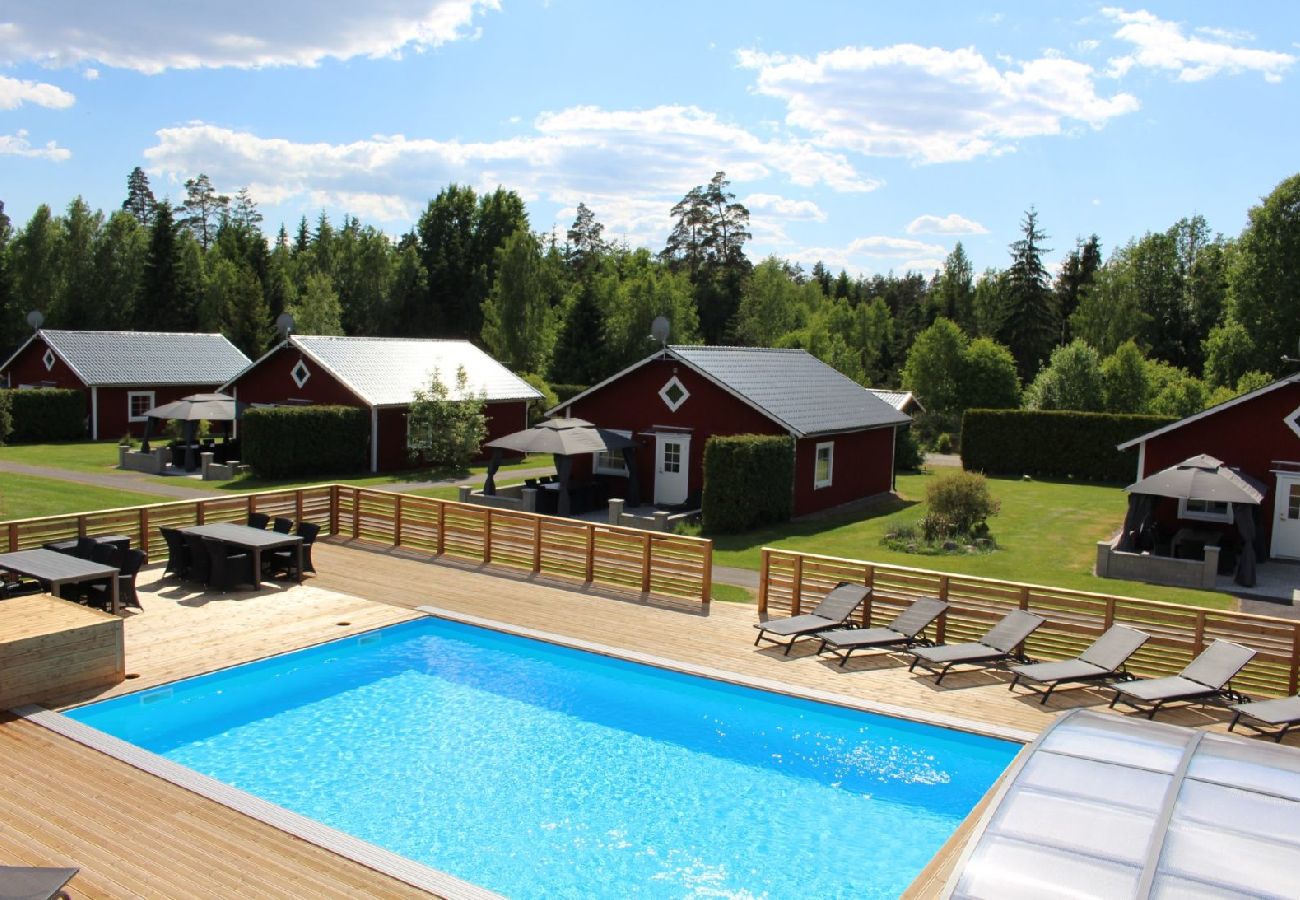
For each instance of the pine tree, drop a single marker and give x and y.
(139, 200)
(1077, 273)
(205, 209)
(1029, 322)
(160, 300)
(579, 356)
(586, 244)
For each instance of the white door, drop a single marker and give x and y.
(1286, 521)
(672, 457)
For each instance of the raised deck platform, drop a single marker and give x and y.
(51, 647)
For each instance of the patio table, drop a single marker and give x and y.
(119, 541)
(254, 540)
(58, 569)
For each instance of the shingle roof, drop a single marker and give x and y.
(387, 371)
(146, 357)
(899, 400)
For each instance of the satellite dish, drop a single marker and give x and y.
(284, 324)
(659, 330)
(35, 318)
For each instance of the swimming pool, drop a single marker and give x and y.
(537, 770)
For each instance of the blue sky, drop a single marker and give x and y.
(872, 136)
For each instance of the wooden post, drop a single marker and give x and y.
(796, 589)
(869, 581)
(943, 588)
(1110, 614)
(200, 512)
(591, 553)
(13, 537)
(334, 509)
(297, 504)
(487, 536)
(1198, 639)
(1293, 675)
(81, 526)
(707, 574)
(251, 506)
(144, 531)
(645, 563)
(442, 527)
(356, 513)
(537, 543)
(397, 521)
(762, 580)
(1024, 597)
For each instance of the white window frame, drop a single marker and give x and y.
(671, 383)
(1200, 515)
(48, 359)
(610, 462)
(306, 373)
(829, 447)
(130, 404)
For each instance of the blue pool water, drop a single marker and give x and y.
(536, 770)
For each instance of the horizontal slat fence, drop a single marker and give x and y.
(665, 565)
(791, 583)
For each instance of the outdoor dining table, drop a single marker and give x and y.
(254, 540)
(117, 541)
(57, 569)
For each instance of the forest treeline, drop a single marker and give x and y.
(1167, 322)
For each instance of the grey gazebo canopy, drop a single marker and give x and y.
(564, 438)
(1200, 478)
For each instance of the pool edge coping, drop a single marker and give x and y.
(332, 840)
(907, 713)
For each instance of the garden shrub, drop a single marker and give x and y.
(47, 414)
(907, 452)
(537, 408)
(6, 416)
(305, 441)
(747, 482)
(1053, 443)
(959, 505)
(568, 391)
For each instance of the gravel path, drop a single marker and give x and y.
(114, 480)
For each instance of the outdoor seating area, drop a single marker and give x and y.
(225, 556)
(97, 570)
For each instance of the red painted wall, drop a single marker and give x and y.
(29, 368)
(862, 466)
(502, 418)
(270, 381)
(632, 403)
(1250, 436)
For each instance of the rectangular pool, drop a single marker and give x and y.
(536, 770)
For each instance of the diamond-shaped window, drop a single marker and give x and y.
(674, 394)
(300, 373)
(1293, 421)
(48, 359)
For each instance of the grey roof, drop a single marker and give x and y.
(792, 387)
(145, 357)
(388, 371)
(899, 400)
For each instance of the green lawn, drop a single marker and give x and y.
(1046, 533)
(26, 497)
(86, 456)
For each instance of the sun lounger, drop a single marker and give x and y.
(832, 612)
(1284, 713)
(997, 646)
(1102, 661)
(1208, 677)
(906, 629)
(41, 882)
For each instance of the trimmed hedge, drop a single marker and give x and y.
(1053, 443)
(305, 441)
(568, 391)
(47, 414)
(747, 482)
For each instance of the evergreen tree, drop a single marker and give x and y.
(585, 242)
(244, 212)
(204, 208)
(408, 295)
(1029, 325)
(707, 243)
(302, 238)
(954, 289)
(517, 327)
(160, 301)
(76, 303)
(1077, 272)
(580, 356)
(34, 259)
(120, 254)
(12, 324)
(317, 310)
(363, 276)
(139, 200)
(447, 245)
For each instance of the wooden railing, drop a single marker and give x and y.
(647, 562)
(625, 558)
(791, 583)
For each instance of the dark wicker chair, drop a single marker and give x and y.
(200, 568)
(129, 563)
(85, 548)
(178, 553)
(258, 520)
(286, 560)
(230, 566)
(283, 525)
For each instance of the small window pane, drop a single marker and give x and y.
(1293, 502)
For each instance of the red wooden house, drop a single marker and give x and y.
(673, 401)
(1257, 433)
(381, 375)
(123, 373)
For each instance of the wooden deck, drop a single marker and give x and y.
(136, 835)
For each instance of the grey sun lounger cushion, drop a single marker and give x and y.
(34, 882)
(1102, 660)
(1205, 678)
(1284, 712)
(995, 646)
(832, 612)
(905, 629)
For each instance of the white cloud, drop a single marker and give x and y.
(91, 74)
(784, 207)
(18, 145)
(14, 92)
(152, 37)
(949, 224)
(930, 104)
(1160, 44)
(875, 253)
(630, 167)
(1087, 46)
